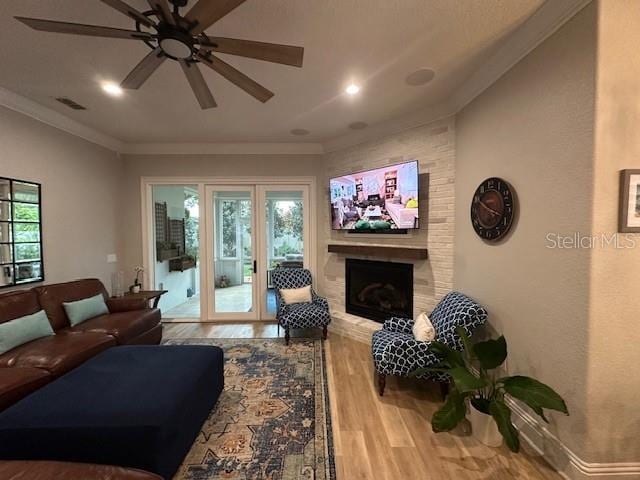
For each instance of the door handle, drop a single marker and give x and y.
(255, 266)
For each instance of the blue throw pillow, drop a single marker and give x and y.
(85, 309)
(24, 329)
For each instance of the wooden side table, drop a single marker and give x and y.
(147, 295)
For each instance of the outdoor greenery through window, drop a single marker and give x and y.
(20, 233)
(191, 225)
(229, 228)
(285, 224)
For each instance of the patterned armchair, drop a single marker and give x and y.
(397, 352)
(299, 315)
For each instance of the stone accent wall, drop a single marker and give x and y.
(433, 145)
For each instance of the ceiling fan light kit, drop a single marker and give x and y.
(181, 38)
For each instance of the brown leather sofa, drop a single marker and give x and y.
(30, 366)
(46, 470)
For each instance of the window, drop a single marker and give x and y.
(229, 228)
(20, 233)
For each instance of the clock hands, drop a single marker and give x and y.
(489, 209)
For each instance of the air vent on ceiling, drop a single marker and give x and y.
(70, 103)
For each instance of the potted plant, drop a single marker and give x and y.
(135, 288)
(474, 378)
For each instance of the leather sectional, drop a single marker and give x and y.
(28, 367)
(46, 470)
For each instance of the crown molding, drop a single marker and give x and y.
(537, 28)
(43, 114)
(222, 149)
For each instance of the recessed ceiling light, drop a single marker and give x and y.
(420, 77)
(358, 125)
(300, 132)
(352, 89)
(112, 89)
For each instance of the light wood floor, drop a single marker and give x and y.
(390, 437)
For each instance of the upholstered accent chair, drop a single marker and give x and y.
(299, 315)
(397, 352)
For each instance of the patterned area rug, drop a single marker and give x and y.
(272, 422)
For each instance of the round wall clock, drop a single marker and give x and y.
(492, 209)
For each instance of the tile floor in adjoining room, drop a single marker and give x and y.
(231, 299)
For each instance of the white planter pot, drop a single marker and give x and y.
(483, 428)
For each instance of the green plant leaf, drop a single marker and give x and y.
(450, 414)
(448, 354)
(466, 341)
(502, 416)
(466, 381)
(534, 393)
(491, 353)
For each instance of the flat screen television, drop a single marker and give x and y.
(378, 200)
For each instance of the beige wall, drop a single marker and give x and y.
(80, 191)
(614, 336)
(138, 166)
(534, 128)
(433, 146)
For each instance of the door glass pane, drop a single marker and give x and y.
(233, 251)
(5, 191)
(6, 253)
(5, 211)
(28, 272)
(25, 232)
(27, 251)
(177, 249)
(5, 232)
(285, 235)
(6, 275)
(25, 192)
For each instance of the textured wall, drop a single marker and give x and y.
(534, 128)
(614, 339)
(433, 146)
(80, 195)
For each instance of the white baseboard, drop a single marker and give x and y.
(560, 457)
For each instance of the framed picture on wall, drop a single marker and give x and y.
(629, 208)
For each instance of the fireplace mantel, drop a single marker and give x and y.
(411, 253)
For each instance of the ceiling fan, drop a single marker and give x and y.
(182, 38)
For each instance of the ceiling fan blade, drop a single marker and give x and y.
(129, 11)
(207, 12)
(81, 29)
(269, 52)
(143, 70)
(236, 77)
(198, 85)
(162, 7)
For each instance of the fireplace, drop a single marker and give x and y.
(379, 290)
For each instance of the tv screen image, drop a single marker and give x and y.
(376, 200)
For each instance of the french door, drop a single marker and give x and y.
(249, 231)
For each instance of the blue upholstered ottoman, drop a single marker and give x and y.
(134, 406)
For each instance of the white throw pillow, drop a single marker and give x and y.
(423, 330)
(296, 295)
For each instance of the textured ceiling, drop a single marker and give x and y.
(375, 43)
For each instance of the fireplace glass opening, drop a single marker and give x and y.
(379, 290)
